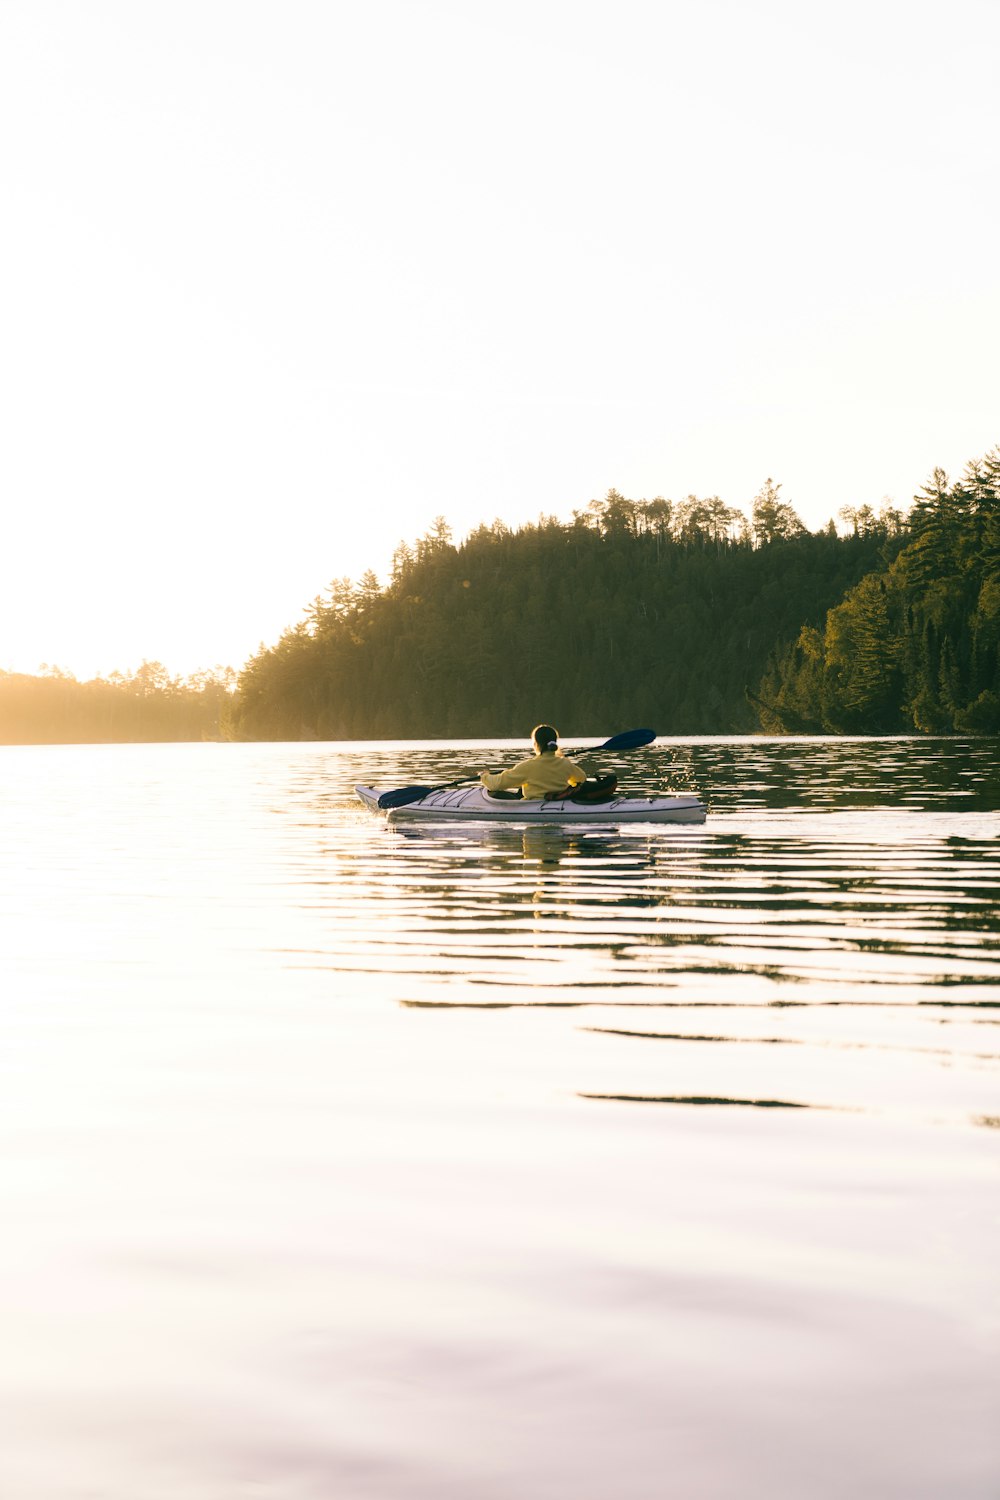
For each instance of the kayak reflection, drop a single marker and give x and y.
(548, 844)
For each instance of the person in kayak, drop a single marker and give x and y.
(547, 770)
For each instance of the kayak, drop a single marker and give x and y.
(474, 804)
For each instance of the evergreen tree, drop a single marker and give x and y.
(916, 645)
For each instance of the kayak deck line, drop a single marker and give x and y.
(474, 804)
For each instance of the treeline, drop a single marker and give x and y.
(144, 706)
(915, 644)
(635, 612)
(689, 616)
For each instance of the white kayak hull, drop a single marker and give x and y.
(473, 804)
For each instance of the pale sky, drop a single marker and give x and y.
(281, 282)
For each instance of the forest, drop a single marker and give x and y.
(689, 616)
(635, 612)
(148, 705)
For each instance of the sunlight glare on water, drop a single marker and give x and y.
(346, 1159)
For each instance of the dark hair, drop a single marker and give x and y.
(545, 738)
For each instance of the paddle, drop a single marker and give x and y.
(629, 739)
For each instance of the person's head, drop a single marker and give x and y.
(544, 737)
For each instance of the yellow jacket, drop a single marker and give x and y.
(539, 774)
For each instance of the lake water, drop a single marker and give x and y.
(349, 1161)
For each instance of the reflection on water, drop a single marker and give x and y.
(860, 933)
(336, 1155)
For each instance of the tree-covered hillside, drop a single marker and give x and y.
(915, 645)
(635, 612)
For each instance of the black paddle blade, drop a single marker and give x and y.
(402, 795)
(629, 739)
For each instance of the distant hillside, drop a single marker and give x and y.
(144, 706)
(635, 612)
